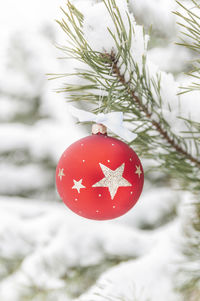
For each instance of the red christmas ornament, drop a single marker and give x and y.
(99, 177)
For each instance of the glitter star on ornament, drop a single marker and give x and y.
(61, 173)
(113, 179)
(78, 185)
(138, 170)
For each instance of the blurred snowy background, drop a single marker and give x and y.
(46, 251)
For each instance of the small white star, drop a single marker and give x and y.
(113, 179)
(138, 170)
(78, 185)
(61, 173)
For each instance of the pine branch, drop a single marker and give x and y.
(189, 272)
(163, 132)
(126, 85)
(190, 23)
(139, 97)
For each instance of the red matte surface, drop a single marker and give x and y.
(81, 161)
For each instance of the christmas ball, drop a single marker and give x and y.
(99, 177)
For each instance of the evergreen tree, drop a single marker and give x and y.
(22, 97)
(129, 85)
(46, 251)
(190, 23)
(120, 74)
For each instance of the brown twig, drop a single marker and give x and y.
(116, 70)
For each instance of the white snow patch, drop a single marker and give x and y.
(150, 277)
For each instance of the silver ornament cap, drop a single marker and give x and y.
(98, 128)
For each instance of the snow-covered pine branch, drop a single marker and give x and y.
(112, 51)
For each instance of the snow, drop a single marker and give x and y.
(96, 23)
(97, 20)
(66, 241)
(171, 62)
(16, 179)
(141, 279)
(46, 251)
(39, 140)
(158, 203)
(158, 14)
